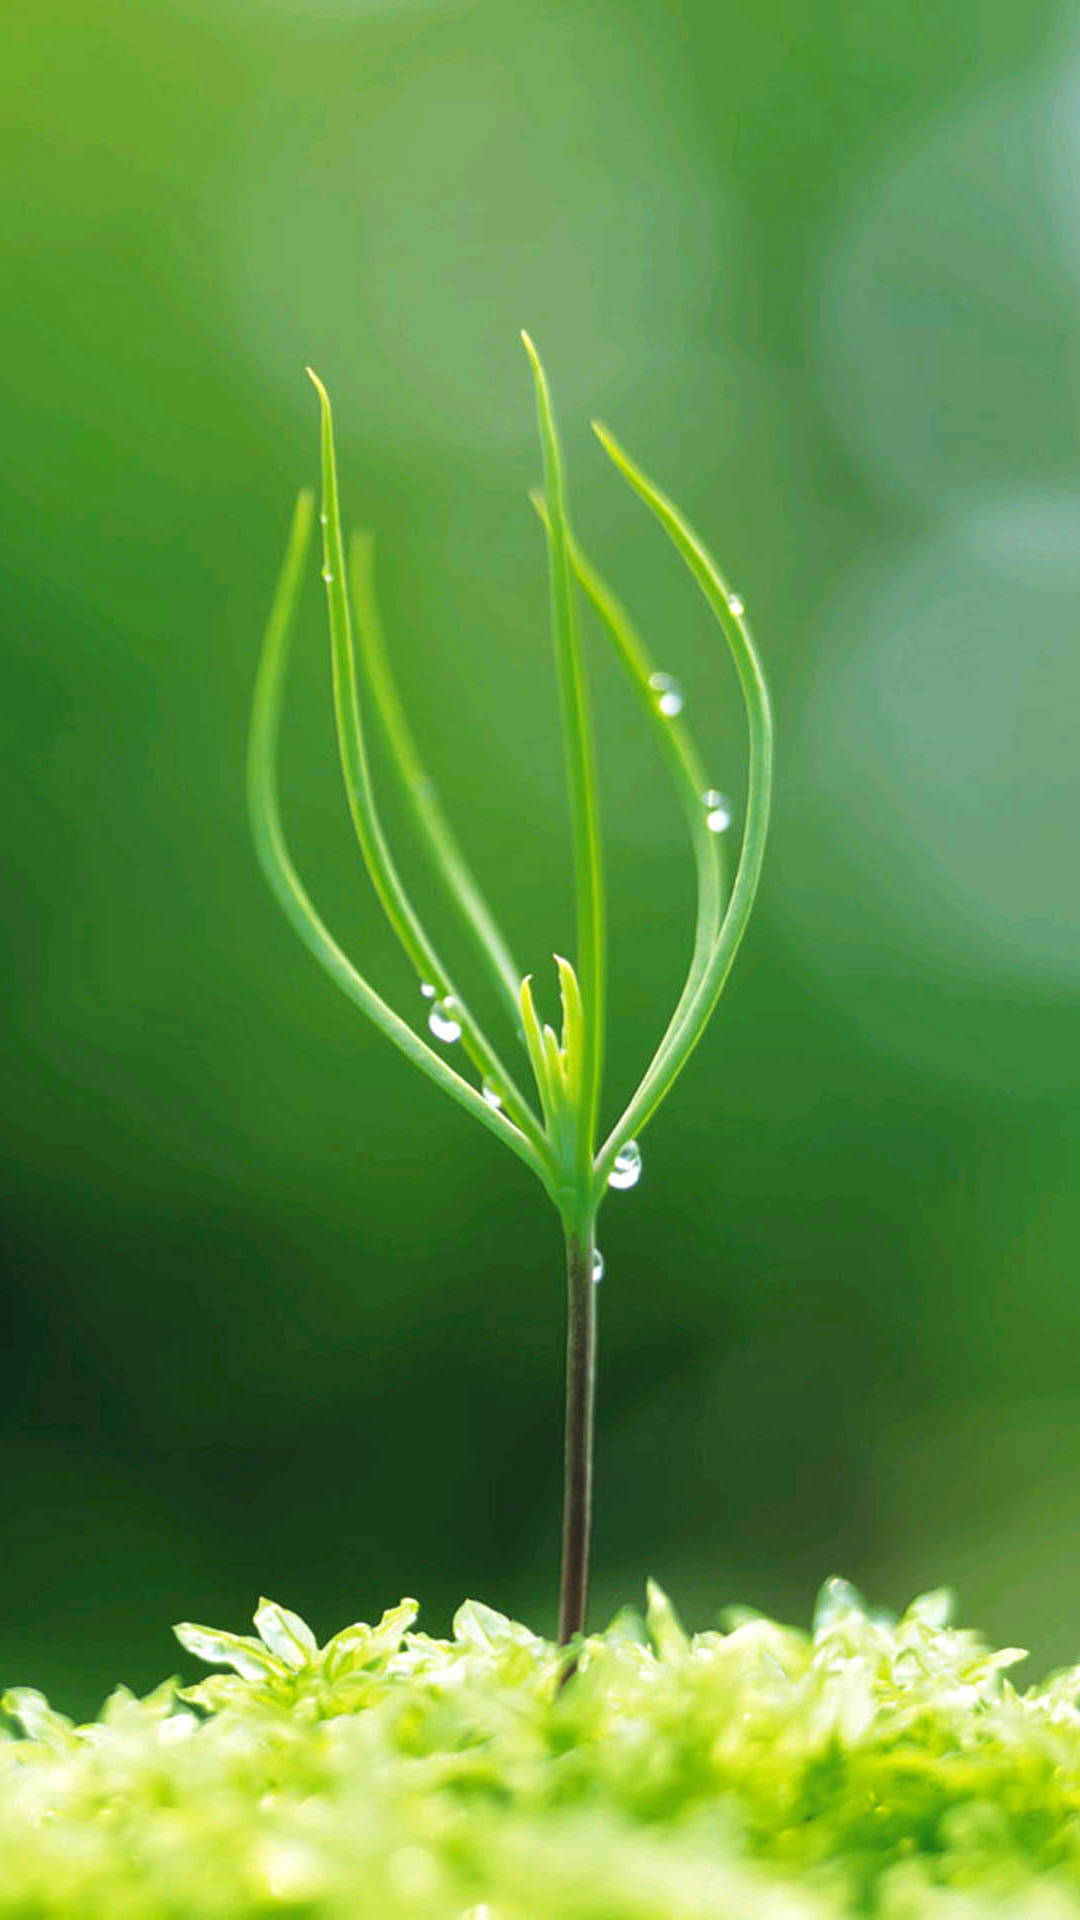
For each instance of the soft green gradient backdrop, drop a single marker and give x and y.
(275, 1317)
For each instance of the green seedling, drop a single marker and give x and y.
(555, 1129)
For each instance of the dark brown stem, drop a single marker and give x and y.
(580, 1401)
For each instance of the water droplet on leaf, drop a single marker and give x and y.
(626, 1171)
(597, 1266)
(328, 576)
(427, 989)
(443, 1020)
(669, 694)
(717, 811)
(737, 605)
(491, 1095)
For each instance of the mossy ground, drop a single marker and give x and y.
(871, 1767)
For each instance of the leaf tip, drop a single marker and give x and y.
(537, 364)
(318, 385)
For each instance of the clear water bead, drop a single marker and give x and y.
(427, 989)
(736, 604)
(324, 519)
(669, 694)
(597, 1266)
(717, 811)
(626, 1171)
(443, 1020)
(491, 1095)
(328, 575)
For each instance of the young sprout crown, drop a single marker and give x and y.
(555, 1128)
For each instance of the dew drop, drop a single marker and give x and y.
(669, 694)
(324, 519)
(328, 575)
(626, 1171)
(427, 989)
(597, 1266)
(492, 1095)
(443, 1020)
(717, 811)
(736, 605)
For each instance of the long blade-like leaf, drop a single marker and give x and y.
(287, 887)
(581, 770)
(354, 763)
(686, 769)
(681, 1040)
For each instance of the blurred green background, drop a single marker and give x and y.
(277, 1318)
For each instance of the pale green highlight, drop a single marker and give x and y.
(558, 1063)
(871, 1766)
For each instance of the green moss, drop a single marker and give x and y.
(870, 1767)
